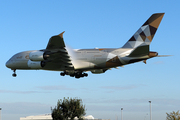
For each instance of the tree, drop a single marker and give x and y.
(68, 109)
(173, 116)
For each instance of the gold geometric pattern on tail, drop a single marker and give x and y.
(146, 32)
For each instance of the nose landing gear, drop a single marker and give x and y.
(14, 74)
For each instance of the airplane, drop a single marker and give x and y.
(76, 62)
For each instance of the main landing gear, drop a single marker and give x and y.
(76, 74)
(14, 74)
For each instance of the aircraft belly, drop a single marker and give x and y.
(56, 67)
(79, 64)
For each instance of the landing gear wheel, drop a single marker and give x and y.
(77, 76)
(72, 75)
(14, 74)
(62, 74)
(85, 74)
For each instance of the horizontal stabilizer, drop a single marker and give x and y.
(140, 51)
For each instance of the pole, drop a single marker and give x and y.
(150, 111)
(0, 113)
(121, 113)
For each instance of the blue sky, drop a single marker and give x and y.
(28, 25)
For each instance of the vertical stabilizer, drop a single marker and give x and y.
(146, 32)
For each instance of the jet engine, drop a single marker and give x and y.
(98, 71)
(36, 64)
(38, 56)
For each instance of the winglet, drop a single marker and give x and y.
(61, 34)
(56, 42)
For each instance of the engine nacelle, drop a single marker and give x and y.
(36, 64)
(37, 56)
(98, 71)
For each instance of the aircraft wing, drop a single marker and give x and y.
(59, 57)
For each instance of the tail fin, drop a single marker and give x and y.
(146, 32)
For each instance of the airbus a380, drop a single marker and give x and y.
(75, 63)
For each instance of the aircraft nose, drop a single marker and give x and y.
(9, 64)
